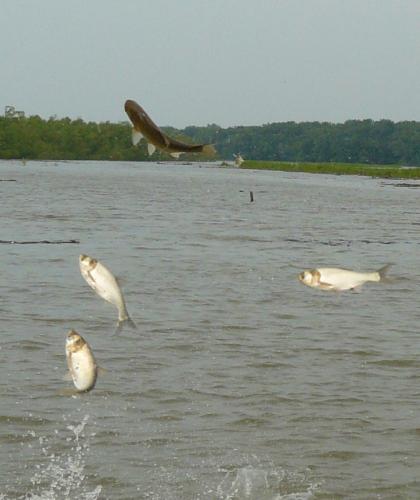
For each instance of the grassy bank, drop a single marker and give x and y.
(385, 171)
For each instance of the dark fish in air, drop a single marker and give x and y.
(143, 126)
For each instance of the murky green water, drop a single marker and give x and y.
(239, 382)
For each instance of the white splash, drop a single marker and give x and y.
(255, 482)
(61, 475)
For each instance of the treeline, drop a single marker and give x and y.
(65, 139)
(355, 141)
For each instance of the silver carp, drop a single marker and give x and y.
(81, 362)
(335, 279)
(105, 285)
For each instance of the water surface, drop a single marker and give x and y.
(239, 382)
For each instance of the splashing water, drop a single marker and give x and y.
(254, 482)
(62, 477)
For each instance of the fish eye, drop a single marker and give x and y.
(304, 276)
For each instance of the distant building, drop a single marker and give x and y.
(12, 112)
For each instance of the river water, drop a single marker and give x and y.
(239, 382)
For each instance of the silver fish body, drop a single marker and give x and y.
(104, 283)
(81, 362)
(335, 279)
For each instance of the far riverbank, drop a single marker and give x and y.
(384, 171)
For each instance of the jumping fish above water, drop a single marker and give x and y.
(143, 126)
(330, 278)
(81, 362)
(238, 160)
(105, 285)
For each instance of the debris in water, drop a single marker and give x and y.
(39, 242)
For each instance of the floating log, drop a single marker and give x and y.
(39, 242)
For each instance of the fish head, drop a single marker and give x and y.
(134, 111)
(310, 277)
(74, 341)
(139, 118)
(306, 277)
(87, 263)
(130, 106)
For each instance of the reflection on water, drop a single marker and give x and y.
(239, 382)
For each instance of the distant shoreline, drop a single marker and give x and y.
(382, 171)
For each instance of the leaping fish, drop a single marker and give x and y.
(81, 362)
(105, 285)
(330, 278)
(143, 126)
(238, 160)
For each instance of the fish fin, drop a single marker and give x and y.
(382, 274)
(209, 149)
(176, 155)
(325, 286)
(136, 137)
(151, 148)
(68, 376)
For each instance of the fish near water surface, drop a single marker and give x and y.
(81, 362)
(105, 285)
(335, 279)
(238, 160)
(143, 126)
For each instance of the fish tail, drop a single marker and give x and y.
(131, 323)
(209, 149)
(382, 273)
(125, 321)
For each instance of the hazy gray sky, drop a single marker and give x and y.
(230, 62)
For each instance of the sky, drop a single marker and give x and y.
(196, 62)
